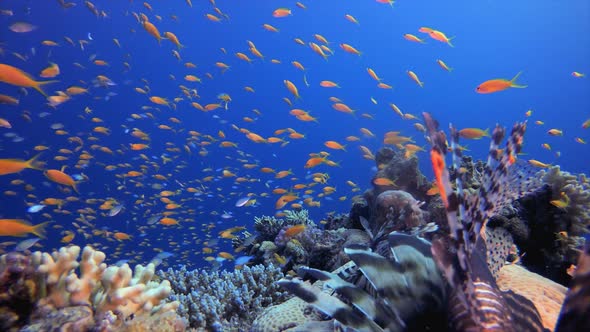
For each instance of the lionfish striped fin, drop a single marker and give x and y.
(449, 197)
(575, 312)
(329, 305)
(476, 302)
(495, 186)
(386, 279)
(421, 274)
(375, 311)
(410, 282)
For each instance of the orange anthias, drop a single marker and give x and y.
(19, 227)
(498, 84)
(11, 166)
(15, 76)
(61, 178)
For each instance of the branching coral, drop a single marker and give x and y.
(224, 301)
(112, 296)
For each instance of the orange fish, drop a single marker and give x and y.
(415, 78)
(498, 84)
(334, 145)
(51, 71)
(349, 49)
(15, 76)
(152, 30)
(292, 88)
(294, 230)
(329, 84)
(11, 166)
(411, 37)
(19, 227)
(383, 182)
(284, 200)
(473, 133)
(351, 19)
(441, 37)
(61, 178)
(281, 12)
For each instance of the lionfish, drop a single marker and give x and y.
(402, 287)
(476, 303)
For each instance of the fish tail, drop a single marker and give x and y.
(449, 41)
(75, 188)
(513, 82)
(33, 163)
(39, 84)
(39, 229)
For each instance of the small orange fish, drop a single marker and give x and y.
(58, 176)
(383, 182)
(11, 166)
(292, 88)
(51, 71)
(415, 78)
(498, 84)
(412, 38)
(334, 145)
(15, 76)
(473, 133)
(152, 30)
(294, 230)
(281, 12)
(349, 49)
(19, 227)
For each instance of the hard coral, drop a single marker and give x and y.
(224, 301)
(112, 296)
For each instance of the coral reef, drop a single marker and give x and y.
(311, 246)
(269, 227)
(224, 301)
(403, 172)
(551, 236)
(100, 297)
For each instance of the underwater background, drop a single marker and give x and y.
(545, 40)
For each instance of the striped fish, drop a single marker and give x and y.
(403, 293)
(476, 303)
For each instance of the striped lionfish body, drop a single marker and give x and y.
(404, 292)
(476, 303)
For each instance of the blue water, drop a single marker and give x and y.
(546, 40)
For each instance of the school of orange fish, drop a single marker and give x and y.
(152, 189)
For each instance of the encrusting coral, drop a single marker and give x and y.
(99, 297)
